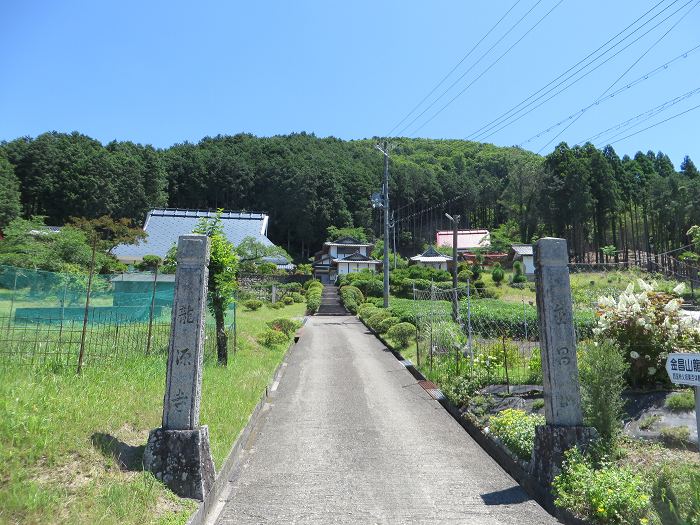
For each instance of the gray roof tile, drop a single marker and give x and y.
(165, 225)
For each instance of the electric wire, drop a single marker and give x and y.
(407, 126)
(656, 124)
(454, 68)
(573, 121)
(532, 28)
(505, 116)
(648, 114)
(638, 80)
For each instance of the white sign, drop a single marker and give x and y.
(684, 369)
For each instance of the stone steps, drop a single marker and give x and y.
(330, 302)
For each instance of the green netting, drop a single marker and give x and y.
(42, 314)
(38, 296)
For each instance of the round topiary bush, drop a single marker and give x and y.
(402, 334)
(271, 338)
(387, 323)
(297, 297)
(365, 310)
(377, 317)
(253, 304)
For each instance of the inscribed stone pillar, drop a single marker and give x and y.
(562, 397)
(178, 453)
(183, 384)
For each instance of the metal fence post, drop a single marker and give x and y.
(81, 355)
(150, 315)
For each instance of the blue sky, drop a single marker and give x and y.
(162, 72)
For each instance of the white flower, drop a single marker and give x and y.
(606, 302)
(630, 288)
(678, 290)
(634, 355)
(644, 286)
(672, 306)
(651, 370)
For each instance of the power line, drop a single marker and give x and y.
(648, 114)
(514, 110)
(488, 68)
(627, 70)
(454, 68)
(657, 124)
(642, 78)
(469, 69)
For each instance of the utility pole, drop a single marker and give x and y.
(385, 204)
(455, 299)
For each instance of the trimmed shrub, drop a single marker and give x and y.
(402, 333)
(377, 317)
(288, 299)
(312, 282)
(253, 304)
(387, 323)
(606, 494)
(284, 325)
(276, 306)
(292, 287)
(464, 275)
(297, 297)
(518, 273)
(352, 298)
(497, 274)
(366, 309)
(313, 297)
(271, 338)
(602, 371)
(516, 429)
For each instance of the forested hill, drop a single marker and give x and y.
(308, 183)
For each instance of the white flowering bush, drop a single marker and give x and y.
(647, 324)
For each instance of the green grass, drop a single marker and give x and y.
(58, 431)
(681, 401)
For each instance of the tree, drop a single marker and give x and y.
(252, 254)
(335, 233)
(9, 193)
(223, 267)
(688, 169)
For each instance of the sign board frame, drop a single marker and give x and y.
(684, 369)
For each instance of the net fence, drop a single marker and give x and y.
(49, 316)
(493, 335)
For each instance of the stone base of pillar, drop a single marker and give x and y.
(182, 460)
(550, 444)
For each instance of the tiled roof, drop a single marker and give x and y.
(357, 257)
(523, 249)
(165, 225)
(431, 255)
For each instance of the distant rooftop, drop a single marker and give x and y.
(466, 239)
(164, 225)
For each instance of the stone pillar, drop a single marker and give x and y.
(562, 397)
(178, 453)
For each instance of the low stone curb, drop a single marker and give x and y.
(514, 466)
(199, 517)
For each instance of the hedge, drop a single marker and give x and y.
(313, 296)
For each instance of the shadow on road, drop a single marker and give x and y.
(509, 496)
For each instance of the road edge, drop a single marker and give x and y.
(206, 508)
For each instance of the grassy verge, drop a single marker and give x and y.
(71, 447)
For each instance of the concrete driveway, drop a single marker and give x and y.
(350, 437)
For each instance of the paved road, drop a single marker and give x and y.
(349, 437)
